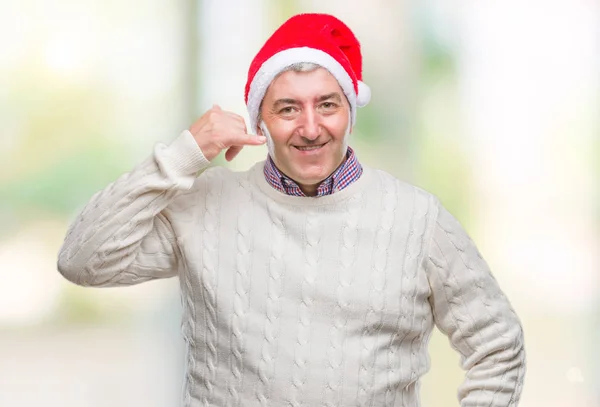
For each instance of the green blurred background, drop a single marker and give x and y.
(491, 105)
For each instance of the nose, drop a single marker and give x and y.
(310, 128)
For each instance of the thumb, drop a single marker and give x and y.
(232, 152)
(216, 107)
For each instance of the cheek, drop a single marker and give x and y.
(282, 132)
(339, 127)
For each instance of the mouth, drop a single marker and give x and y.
(316, 147)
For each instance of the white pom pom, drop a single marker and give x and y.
(364, 94)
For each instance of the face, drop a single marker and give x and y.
(307, 120)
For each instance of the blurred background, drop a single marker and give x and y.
(491, 105)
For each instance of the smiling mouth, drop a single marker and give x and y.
(310, 148)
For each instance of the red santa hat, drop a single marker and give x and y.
(315, 38)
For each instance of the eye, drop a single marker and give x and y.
(287, 110)
(328, 105)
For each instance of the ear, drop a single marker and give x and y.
(262, 128)
(260, 121)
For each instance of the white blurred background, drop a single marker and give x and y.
(491, 105)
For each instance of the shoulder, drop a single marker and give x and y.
(407, 192)
(439, 222)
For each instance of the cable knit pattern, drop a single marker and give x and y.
(480, 329)
(243, 262)
(302, 301)
(188, 328)
(273, 309)
(372, 323)
(210, 264)
(393, 373)
(347, 254)
(312, 248)
(419, 332)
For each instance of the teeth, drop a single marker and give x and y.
(309, 148)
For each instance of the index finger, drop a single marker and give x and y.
(246, 139)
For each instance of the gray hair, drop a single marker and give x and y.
(301, 67)
(296, 67)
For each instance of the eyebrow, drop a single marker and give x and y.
(285, 101)
(288, 101)
(333, 95)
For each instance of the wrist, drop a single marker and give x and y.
(182, 156)
(210, 151)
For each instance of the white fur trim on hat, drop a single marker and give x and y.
(364, 94)
(278, 62)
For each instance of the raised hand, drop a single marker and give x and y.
(218, 130)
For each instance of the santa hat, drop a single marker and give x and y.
(315, 38)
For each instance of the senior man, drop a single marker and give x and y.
(311, 278)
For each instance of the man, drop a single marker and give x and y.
(310, 279)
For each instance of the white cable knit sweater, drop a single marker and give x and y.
(302, 301)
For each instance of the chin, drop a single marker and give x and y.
(307, 172)
(311, 176)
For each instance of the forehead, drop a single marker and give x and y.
(303, 85)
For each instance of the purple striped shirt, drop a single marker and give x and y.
(346, 174)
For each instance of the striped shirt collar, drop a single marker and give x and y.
(344, 175)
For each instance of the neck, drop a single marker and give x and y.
(309, 190)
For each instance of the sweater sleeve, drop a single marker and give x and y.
(121, 237)
(472, 311)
